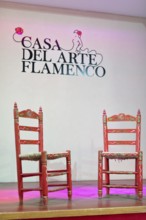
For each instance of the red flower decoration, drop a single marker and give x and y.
(79, 33)
(19, 30)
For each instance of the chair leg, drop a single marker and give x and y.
(140, 175)
(20, 195)
(20, 181)
(136, 175)
(44, 177)
(40, 178)
(69, 179)
(107, 178)
(100, 175)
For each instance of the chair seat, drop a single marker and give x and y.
(56, 155)
(33, 157)
(37, 156)
(56, 173)
(120, 155)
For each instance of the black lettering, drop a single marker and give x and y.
(33, 68)
(27, 54)
(57, 70)
(88, 72)
(47, 43)
(72, 58)
(25, 65)
(92, 59)
(45, 68)
(57, 45)
(62, 57)
(100, 71)
(37, 44)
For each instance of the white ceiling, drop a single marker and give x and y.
(135, 8)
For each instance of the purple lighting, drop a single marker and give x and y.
(79, 192)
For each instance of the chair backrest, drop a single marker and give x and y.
(23, 121)
(122, 130)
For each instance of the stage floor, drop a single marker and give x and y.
(85, 202)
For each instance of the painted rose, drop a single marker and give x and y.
(19, 30)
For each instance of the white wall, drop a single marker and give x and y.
(72, 105)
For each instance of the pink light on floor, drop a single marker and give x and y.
(79, 192)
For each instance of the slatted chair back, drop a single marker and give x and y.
(20, 129)
(129, 131)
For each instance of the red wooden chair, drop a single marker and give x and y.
(120, 131)
(29, 132)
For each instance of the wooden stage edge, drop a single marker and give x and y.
(84, 204)
(72, 213)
